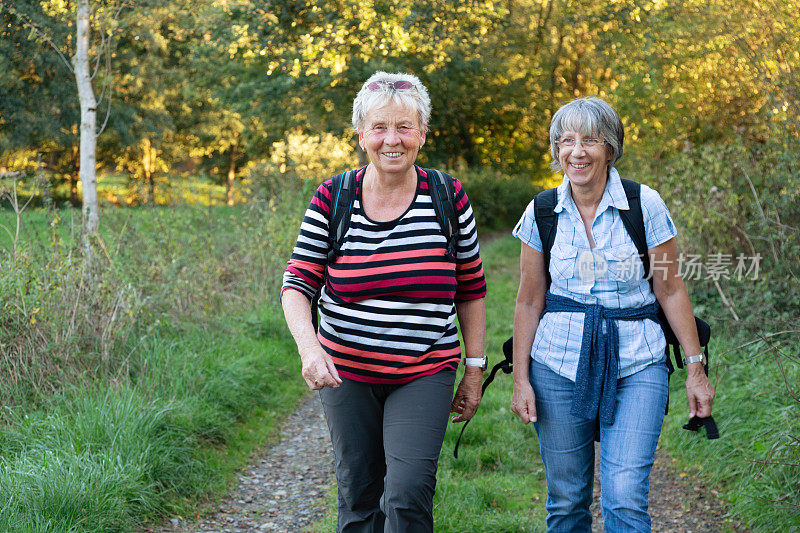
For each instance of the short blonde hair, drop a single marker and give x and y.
(416, 99)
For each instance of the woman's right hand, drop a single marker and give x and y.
(319, 370)
(523, 402)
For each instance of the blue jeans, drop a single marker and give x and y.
(627, 450)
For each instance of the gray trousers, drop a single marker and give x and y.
(386, 443)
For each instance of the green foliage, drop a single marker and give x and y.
(739, 200)
(497, 199)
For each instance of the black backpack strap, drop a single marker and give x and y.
(544, 204)
(442, 191)
(633, 220)
(506, 366)
(343, 194)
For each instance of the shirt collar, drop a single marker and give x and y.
(613, 196)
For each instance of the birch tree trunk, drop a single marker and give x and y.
(88, 144)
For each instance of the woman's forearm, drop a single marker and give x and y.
(472, 320)
(678, 310)
(297, 310)
(526, 322)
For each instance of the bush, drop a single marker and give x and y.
(497, 199)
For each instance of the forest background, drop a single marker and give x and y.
(218, 118)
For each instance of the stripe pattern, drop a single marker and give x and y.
(387, 308)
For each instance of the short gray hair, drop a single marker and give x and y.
(416, 100)
(590, 116)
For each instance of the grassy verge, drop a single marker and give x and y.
(755, 464)
(135, 391)
(105, 457)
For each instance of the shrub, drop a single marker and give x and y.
(497, 199)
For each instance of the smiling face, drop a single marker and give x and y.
(583, 165)
(392, 137)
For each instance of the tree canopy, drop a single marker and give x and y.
(218, 85)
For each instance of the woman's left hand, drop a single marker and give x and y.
(468, 395)
(699, 391)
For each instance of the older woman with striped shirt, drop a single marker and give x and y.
(385, 355)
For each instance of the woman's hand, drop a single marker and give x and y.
(523, 402)
(468, 395)
(699, 391)
(318, 369)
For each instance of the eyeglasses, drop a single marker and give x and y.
(401, 85)
(570, 142)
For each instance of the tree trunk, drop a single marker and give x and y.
(231, 174)
(88, 145)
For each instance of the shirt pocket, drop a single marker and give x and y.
(624, 264)
(563, 259)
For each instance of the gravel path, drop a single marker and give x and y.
(284, 489)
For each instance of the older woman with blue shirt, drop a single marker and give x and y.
(598, 296)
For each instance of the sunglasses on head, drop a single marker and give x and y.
(401, 85)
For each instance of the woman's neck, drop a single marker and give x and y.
(587, 197)
(387, 184)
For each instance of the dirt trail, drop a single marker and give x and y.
(284, 488)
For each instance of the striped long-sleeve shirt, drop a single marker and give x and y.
(387, 308)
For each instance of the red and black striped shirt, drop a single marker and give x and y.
(387, 310)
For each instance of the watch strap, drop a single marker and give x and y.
(699, 358)
(476, 361)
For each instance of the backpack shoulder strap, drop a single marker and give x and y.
(547, 221)
(343, 194)
(442, 191)
(633, 220)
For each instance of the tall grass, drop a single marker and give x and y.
(125, 388)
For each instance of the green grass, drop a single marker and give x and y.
(756, 462)
(105, 458)
(497, 482)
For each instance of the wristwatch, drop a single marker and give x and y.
(481, 362)
(699, 358)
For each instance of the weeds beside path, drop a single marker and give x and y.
(283, 488)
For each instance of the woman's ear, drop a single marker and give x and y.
(361, 140)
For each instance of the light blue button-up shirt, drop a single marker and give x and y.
(611, 274)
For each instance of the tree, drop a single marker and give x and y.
(88, 147)
(37, 17)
